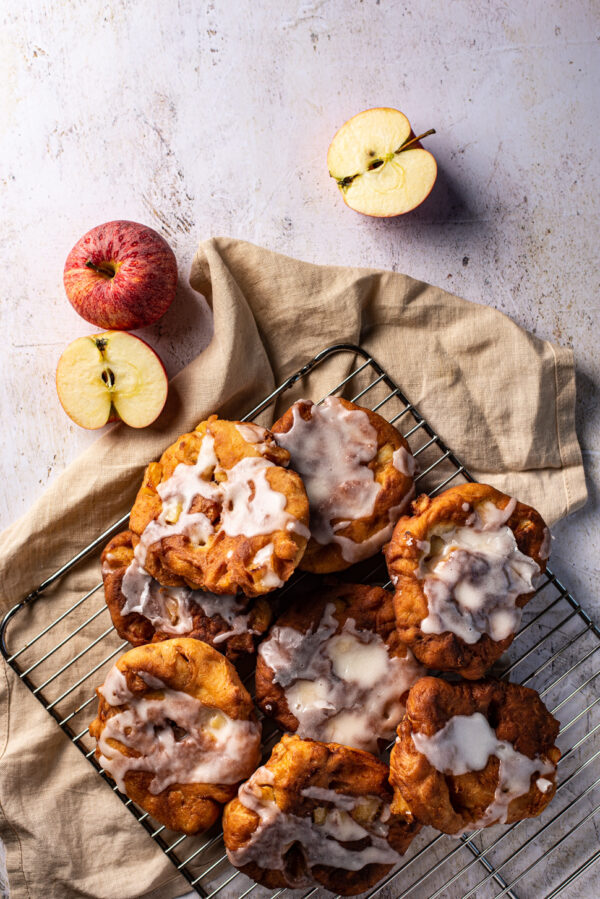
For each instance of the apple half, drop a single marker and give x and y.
(111, 376)
(379, 166)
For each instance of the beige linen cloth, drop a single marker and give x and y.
(501, 398)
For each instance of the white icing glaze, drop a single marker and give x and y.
(170, 609)
(340, 800)
(238, 620)
(491, 517)
(473, 581)
(263, 556)
(248, 504)
(230, 607)
(342, 687)
(404, 462)
(214, 748)
(464, 744)
(356, 662)
(356, 552)
(207, 458)
(264, 559)
(253, 434)
(196, 526)
(546, 544)
(115, 689)
(167, 608)
(331, 453)
(318, 836)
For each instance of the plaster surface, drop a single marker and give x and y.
(215, 117)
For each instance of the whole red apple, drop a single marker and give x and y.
(121, 275)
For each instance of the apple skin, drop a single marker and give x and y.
(121, 276)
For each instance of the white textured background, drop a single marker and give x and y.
(214, 118)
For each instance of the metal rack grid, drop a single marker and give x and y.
(554, 651)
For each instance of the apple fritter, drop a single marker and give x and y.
(473, 754)
(144, 611)
(317, 813)
(176, 731)
(463, 566)
(221, 512)
(334, 669)
(358, 473)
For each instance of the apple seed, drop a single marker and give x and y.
(344, 183)
(108, 378)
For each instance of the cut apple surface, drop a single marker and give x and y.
(378, 165)
(111, 376)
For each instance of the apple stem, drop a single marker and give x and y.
(344, 183)
(414, 140)
(105, 269)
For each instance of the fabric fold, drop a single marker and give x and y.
(502, 399)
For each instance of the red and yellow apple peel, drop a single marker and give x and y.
(121, 275)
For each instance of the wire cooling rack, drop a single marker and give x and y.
(554, 651)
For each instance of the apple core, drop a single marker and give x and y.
(379, 165)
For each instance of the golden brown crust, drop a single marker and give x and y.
(395, 489)
(454, 802)
(296, 764)
(371, 608)
(447, 651)
(135, 628)
(191, 667)
(225, 564)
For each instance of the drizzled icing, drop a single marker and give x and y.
(248, 504)
(546, 545)
(318, 837)
(170, 609)
(465, 743)
(404, 462)
(166, 608)
(251, 509)
(473, 579)
(341, 687)
(253, 434)
(355, 552)
(331, 452)
(229, 607)
(265, 557)
(177, 494)
(213, 748)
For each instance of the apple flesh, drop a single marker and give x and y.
(121, 275)
(379, 165)
(111, 376)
